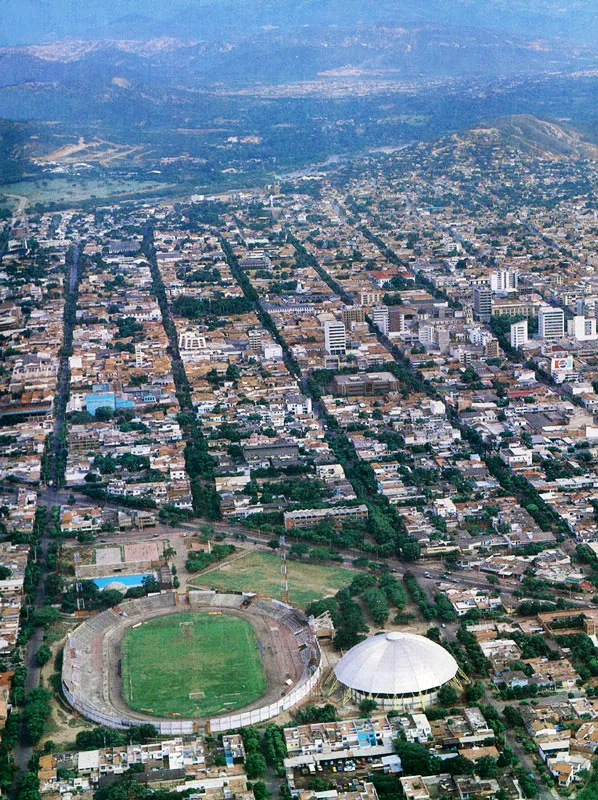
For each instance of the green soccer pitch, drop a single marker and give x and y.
(191, 665)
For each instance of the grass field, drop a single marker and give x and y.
(76, 190)
(260, 572)
(191, 664)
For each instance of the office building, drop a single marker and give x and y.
(365, 383)
(482, 303)
(370, 297)
(426, 334)
(255, 336)
(582, 328)
(335, 337)
(551, 322)
(396, 321)
(380, 318)
(353, 314)
(504, 280)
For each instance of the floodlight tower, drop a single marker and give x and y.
(284, 570)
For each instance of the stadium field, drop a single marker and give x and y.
(260, 573)
(193, 665)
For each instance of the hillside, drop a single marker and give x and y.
(538, 137)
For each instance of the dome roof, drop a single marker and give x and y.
(395, 664)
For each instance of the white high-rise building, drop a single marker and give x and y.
(582, 328)
(551, 322)
(335, 337)
(425, 334)
(255, 337)
(504, 280)
(380, 318)
(519, 333)
(138, 355)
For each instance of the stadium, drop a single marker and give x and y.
(219, 661)
(400, 671)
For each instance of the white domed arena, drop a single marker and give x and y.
(400, 671)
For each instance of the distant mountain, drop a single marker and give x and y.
(35, 21)
(274, 56)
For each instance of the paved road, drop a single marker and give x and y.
(64, 372)
(526, 760)
(24, 751)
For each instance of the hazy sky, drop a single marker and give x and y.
(29, 21)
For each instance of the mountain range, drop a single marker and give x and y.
(35, 21)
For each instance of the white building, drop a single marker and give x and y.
(380, 318)
(138, 355)
(551, 322)
(191, 340)
(397, 670)
(479, 336)
(335, 337)
(582, 328)
(272, 351)
(504, 280)
(425, 334)
(255, 336)
(519, 334)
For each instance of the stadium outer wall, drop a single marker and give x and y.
(89, 659)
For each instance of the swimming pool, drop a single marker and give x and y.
(126, 580)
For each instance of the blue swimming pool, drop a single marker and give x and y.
(366, 738)
(126, 580)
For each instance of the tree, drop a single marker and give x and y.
(112, 597)
(144, 732)
(45, 616)
(232, 372)
(416, 759)
(506, 757)
(513, 717)
(37, 709)
(260, 791)
(255, 765)
(474, 692)
(366, 707)
(447, 695)
(410, 550)
(486, 767)
(150, 584)
(126, 788)
(43, 655)
(28, 787)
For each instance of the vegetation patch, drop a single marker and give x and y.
(260, 573)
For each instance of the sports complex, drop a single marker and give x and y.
(180, 662)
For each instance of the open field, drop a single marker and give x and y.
(260, 573)
(192, 665)
(74, 189)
